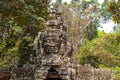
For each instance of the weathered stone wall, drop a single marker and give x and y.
(87, 72)
(16, 73)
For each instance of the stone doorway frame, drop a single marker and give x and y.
(53, 74)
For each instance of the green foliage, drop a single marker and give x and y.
(101, 51)
(25, 49)
(117, 73)
(20, 21)
(7, 57)
(24, 12)
(57, 3)
(15, 31)
(101, 33)
(104, 11)
(87, 56)
(116, 28)
(14, 34)
(2, 48)
(91, 31)
(114, 9)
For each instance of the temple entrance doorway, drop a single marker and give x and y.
(53, 75)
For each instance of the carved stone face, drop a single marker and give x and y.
(52, 43)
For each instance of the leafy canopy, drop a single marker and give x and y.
(20, 21)
(114, 9)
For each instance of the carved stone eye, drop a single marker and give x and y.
(48, 40)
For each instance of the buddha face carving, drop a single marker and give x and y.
(52, 42)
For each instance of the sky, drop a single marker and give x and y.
(107, 27)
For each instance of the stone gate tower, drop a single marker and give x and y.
(53, 51)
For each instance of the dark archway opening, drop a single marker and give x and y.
(53, 75)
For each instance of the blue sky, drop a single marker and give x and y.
(107, 27)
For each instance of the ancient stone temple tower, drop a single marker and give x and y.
(53, 51)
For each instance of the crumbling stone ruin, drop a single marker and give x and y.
(52, 58)
(53, 51)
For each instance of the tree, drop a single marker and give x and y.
(101, 51)
(78, 16)
(21, 10)
(57, 3)
(24, 13)
(91, 31)
(104, 11)
(114, 9)
(20, 19)
(25, 50)
(116, 28)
